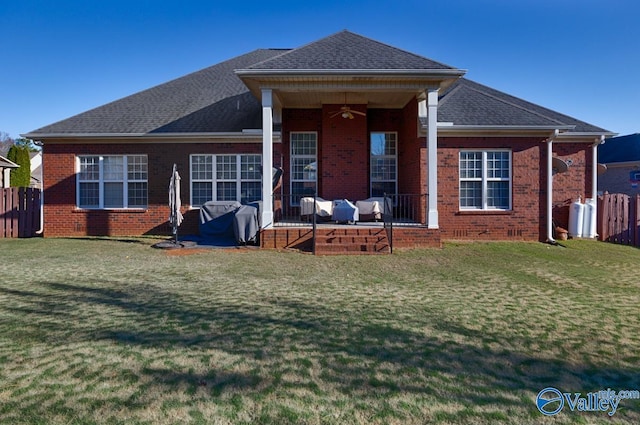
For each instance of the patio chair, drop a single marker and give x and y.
(323, 208)
(372, 209)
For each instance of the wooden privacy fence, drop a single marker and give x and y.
(619, 218)
(19, 212)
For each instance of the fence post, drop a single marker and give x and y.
(601, 217)
(14, 213)
(636, 220)
(22, 216)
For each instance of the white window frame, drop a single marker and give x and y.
(101, 180)
(393, 157)
(310, 158)
(214, 180)
(485, 179)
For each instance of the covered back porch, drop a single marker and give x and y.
(373, 144)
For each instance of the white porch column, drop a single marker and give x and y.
(432, 158)
(267, 158)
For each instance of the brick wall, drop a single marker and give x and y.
(343, 154)
(343, 148)
(527, 220)
(576, 181)
(344, 158)
(522, 222)
(62, 218)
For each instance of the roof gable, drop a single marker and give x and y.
(347, 51)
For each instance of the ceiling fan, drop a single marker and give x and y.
(346, 111)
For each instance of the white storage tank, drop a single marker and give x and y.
(576, 218)
(589, 222)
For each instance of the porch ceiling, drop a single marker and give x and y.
(315, 99)
(376, 90)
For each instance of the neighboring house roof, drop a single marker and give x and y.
(5, 163)
(36, 167)
(216, 100)
(620, 149)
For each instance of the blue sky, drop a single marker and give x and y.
(60, 58)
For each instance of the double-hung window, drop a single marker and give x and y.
(485, 180)
(304, 165)
(112, 181)
(384, 164)
(225, 178)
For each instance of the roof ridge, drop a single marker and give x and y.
(448, 94)
(396, 48)
(293, 49)
(285, 51)
(345, 32)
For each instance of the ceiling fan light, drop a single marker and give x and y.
(345, 115)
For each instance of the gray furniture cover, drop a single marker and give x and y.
(216, 219)
(246, 223)
(345, 212)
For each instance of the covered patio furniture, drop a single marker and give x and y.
(246, 223)
(323, 208)
(216, 219)
(345, 212)
(372, 209)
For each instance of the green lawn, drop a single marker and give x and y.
(113, 331)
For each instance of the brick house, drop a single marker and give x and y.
(346, 117)
(621, 157)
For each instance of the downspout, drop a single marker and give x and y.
(550, 140)
(41, 229)
(594, 168)
(594, 177)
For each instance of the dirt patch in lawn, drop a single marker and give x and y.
(181, 252)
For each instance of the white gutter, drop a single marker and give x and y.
(248, 134)
(472, 128)
(549, 141)
(594, 175)
(41, 229)
(427, 73)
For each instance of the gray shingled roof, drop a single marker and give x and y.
(469, 103)
(216, 100)
(344, 51)
(4, 162)
(210, 100)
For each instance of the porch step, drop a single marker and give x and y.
(346, 240)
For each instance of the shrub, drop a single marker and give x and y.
(20, 177)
